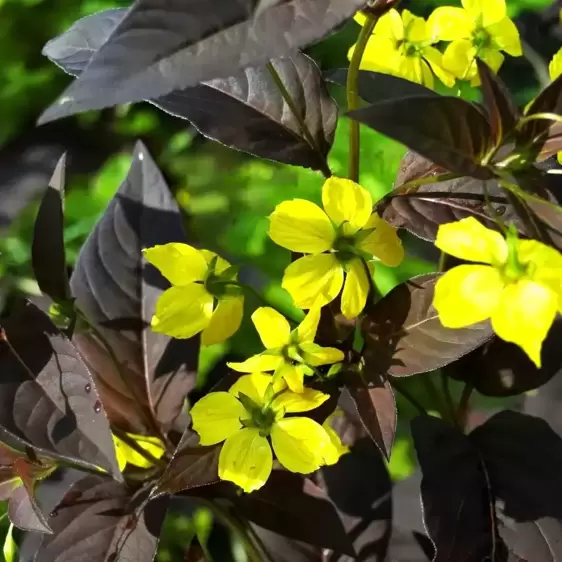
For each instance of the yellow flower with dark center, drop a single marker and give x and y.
(204, 296)
(480, 29)
(291, 354)
(250, 416)
(402, 45)
(517, 284)
(340, 240)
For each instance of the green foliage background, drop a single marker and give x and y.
(227, 195)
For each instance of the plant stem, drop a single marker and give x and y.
(434, 395)
(353, 94)
(300, 120)
(396, 384)
(447, 394)
(464, 406)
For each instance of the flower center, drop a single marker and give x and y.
(344, 248)
(261, 417)
(215, 285)
(513, 269)
(481, 39)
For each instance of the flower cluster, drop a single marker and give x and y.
(403, 44)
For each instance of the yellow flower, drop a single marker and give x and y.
(127, 455)
(252, 412)
(338, 240)
(555, 70)
(290, 354)
(204, 295)
(519, 288)
(401, 45)
(480, 29)
(327, 425)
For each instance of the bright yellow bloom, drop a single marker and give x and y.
(401, 45)
(291, 354)
(555, 70)
(127, 455)
(338, 240)
(480, 29)
(204, 296)
(252, 412)
(519, 288)
(327, 425)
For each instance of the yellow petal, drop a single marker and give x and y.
(246, 459)
(555, 66)
(316, 355)
(301, 226)
(313, 280)
(435, 60)
(292, 375)
(254, 386)
(220, 263)
(127, 455)
(459, 59)
(506, 37)
(272, 327)
(415, 27)
(467, 294)
(302, 445)
(543, 263)
(427, 75)
(360, 18)
(306, 331)
(490, 11)
(355, 289)
(448, 24)
(225, 321)
(493, 58)
(295, 402)
(216, 417)
(334, 437)
(524, 316)
(381, 55)
(390, 25)
(468, 239)
(383, 243)
(182, 312)
(179, 263)
(258, 363)
(346, 202)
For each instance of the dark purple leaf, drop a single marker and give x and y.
(376, 407)
(24, 512)
(293, 506)
(48, 255)
(166, 45)
(457, 499)
(404, 336)
(449, 131)
(245, 111)
(117, 290)
(48, 400)
(98, 521)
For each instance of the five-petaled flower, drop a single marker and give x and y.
(401, 44)
(204, 295)
(291, 354)
(340, 241)
(249, 414)
(480, 29)
(519, 288)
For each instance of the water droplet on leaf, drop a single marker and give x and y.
(88, 387)
(97, 407)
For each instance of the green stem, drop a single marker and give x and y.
(397, 385)
(464, 406)
(300, 120)
(447, 394)
(438, 178)
(434, 395)
(536, 61)
(353, 94)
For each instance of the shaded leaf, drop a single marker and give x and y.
(24, 512)
(376, 407)
(248, 111)
(48, 255)
(48, 401)
(457, 499)
(404, 336)
(117, 291)
(500, 368)
(191, 466)
(164, 45)
(360, 487)
(283, 549)
(375, 87)
(449, 131)
(293, 506)
(100, 522)
(502, 110)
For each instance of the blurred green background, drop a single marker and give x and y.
(227, 194)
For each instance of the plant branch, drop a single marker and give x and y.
(352, 88)
(397, 385)
(300, 120)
